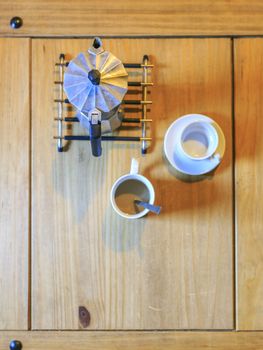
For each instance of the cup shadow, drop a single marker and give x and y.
(121, 234)
(187, 195)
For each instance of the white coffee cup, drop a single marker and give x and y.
(128, 188)
(199, 140)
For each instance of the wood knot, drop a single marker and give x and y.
(84, 317)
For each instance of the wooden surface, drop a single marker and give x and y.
(135, 340)
(249, 190)
(133, 17)
(14, 181)
(168, 272)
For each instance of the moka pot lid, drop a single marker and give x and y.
(95, 79)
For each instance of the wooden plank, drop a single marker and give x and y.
(135, 340)
(133, 17)
(163, 272)
(14, 182)
(249, 191)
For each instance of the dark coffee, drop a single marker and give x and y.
(129, 191)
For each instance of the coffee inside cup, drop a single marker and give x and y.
(199, 140)
(129, 191)
(195, 144)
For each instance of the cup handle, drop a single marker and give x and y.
(134, 166)
(217, 157)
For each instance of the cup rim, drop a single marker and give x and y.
(213, 150)
(140, 178)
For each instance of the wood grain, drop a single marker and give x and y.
(249, 190)
(133, 17)
(135, 340)
(168, 272)
(14, 182)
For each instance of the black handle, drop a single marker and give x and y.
(95, 139)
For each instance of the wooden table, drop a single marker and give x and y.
(197, 266)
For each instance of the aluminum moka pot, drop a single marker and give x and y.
(95, 82)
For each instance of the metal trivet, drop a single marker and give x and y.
(144, 84)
